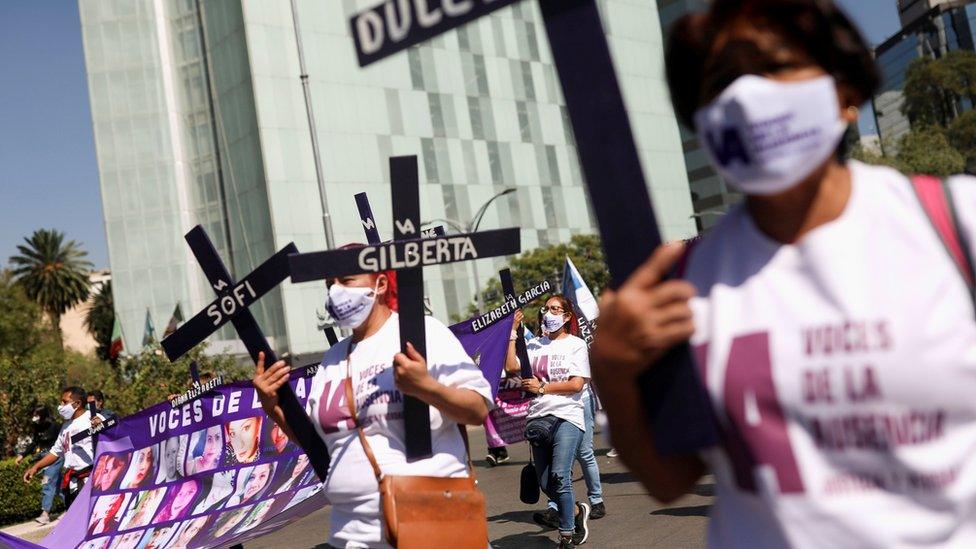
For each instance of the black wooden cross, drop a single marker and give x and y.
(369, 222)
(94, 429)
(676, 403)
(407, 254)
(231, 305)
(508, 288)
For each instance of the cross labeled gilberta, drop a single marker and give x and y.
(407, 254)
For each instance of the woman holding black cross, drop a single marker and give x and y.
(830, 315)
(356, 403)
(556, 421)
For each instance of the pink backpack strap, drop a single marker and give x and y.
(936, 199)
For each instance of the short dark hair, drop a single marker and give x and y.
(97, 395)
(77, 393)
(817, 27)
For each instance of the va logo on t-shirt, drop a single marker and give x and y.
(333, 410)
(728, 147)
(540, 367)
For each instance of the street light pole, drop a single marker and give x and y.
(470, 227)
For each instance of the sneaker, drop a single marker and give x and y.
(491, 459)
(566, 543)
(549, 517)
(582, 530)
(502, 457)
(598, 511)
(45, 518)
(612, 453)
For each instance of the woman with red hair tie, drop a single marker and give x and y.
(380, 375)
(560, 371)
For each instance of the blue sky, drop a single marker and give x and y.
(48, 172)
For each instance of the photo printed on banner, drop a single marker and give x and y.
(157, 538)
(251, 482)
(171, 452)
(257, 514)
(204, 451)
(188, 530)
(221, 486)
(106, 516)
(143, 508)
(179, 501)
(289, 476)
(97, 543)
(229, 520)
(109, 470)
(242, 441)
(142, 467)
(274, 441)
(127, 541)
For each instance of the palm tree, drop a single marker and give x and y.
(54, 273)
(100, 319)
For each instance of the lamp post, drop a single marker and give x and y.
(470, 227)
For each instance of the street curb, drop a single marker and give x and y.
(30, 531)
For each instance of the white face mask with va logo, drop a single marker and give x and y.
(764, 136)
(350, 306)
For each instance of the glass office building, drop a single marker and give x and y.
(710, 196)
(943, 28)
(200, 118)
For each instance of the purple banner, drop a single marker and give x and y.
(212, 472)
(489, 347)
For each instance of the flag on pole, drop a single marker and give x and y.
(174, 321)
(149, 334)
(575, 288)
(116, 345)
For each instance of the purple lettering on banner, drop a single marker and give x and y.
(210, 472)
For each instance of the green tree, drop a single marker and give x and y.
(53, 272)
(962, 135)
(100, 320)
(21, 322)
(927, 150)
(928, 98)
(546, 263)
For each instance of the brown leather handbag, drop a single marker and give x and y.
(428, 511)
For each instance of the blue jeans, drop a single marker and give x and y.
(554, 466)
(51, 484)
(585, 457)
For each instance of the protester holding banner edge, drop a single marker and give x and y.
(370, 361)
(805, 281)
(555, 423)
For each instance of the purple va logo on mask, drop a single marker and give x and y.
(728, 146)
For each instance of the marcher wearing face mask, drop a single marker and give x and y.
(44, 431)
(561, 370)
(77, 455)
(829, 323)
(448, 381)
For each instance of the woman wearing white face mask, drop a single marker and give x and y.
(381, 375)
(834, 334)
(560, 369)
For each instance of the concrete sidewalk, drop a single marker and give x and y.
(30, 530)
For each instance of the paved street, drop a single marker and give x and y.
(633, 519)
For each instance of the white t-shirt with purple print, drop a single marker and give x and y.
(351, 486)
(554, 361)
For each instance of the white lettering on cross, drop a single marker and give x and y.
(369, 25)
(398, 29)
(368, 223)
(453, 8)
(425, 16)
(405, 227)
(220, 285)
